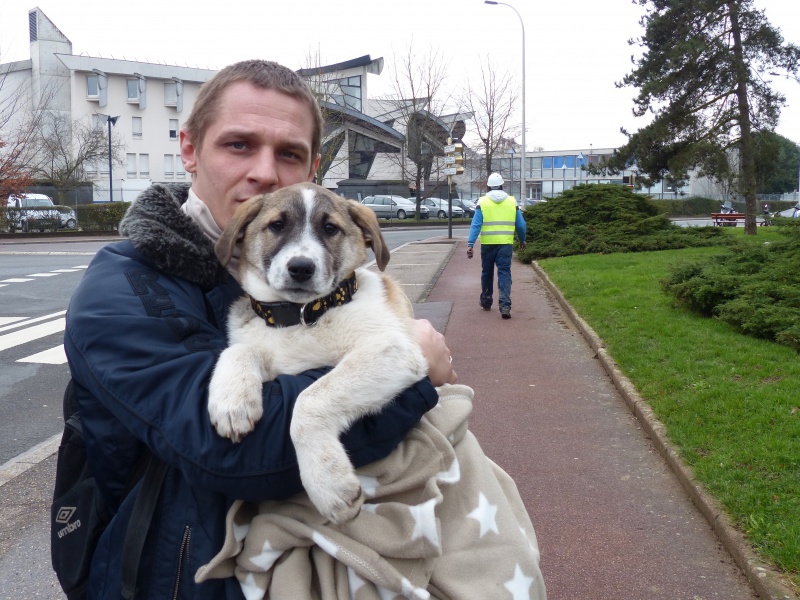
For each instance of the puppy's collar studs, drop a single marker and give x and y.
(287, 314)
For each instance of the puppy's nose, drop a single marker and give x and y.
(301, 269)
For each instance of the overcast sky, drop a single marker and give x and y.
(575, 50)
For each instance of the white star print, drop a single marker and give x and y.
(267, 558)
(486, 515)
(452, 475)
(354, 582)
(519, 586)
(425, 522)
(326, 544)
(369, 484)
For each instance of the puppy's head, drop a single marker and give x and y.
(299, 242)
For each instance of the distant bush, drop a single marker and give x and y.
(101, 216)
(755, 288)
(590, 219)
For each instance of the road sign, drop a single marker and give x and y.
(451, 171)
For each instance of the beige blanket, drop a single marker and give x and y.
(441, 521)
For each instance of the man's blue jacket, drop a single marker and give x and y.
(144, 330)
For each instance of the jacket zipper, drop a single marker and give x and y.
(187, 535)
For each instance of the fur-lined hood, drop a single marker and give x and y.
(170, 239)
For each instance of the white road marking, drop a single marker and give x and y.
(7, 320)
(23, 322)
(53, 356)
(18, 338)
(42, 274)
(15, 280)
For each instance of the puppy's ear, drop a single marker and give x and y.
(366, 220)
(243, 216)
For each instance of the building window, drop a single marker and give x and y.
(91, 169)
(131, 162)
(173, 129)
(171, 94)
(92, 87)
(136, 127)
(144, 166)
(180, 172)
(169, 166)
(133, 90)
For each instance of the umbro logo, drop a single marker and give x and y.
(65, 514)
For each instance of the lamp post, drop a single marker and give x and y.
(523, 190)
(511, 151)
(111, 121)
(580, 168)
(563, 178)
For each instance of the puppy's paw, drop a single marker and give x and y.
(337, 499)
(235, 415)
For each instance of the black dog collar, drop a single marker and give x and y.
(286, 314)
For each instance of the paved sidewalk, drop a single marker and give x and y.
(612, 520)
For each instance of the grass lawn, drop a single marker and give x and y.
(730, 402)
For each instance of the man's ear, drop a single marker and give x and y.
(312, 176)
(188, 152)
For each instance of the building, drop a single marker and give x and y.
(549, 173)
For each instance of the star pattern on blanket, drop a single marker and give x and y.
(369, 484)
(424, 516)
(520, 585)
(486, 515)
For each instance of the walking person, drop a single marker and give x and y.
(496, 219)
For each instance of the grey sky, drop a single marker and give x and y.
(575, 50)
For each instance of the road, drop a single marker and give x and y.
(36, 283)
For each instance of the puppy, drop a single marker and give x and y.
(310, 305)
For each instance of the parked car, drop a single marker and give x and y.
(28, 212)
(394, 207)
(438, 207)
(468, 206)
(69, 220)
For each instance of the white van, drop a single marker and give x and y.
(28, 212)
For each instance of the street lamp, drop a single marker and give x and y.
(523, 190)
(564, 177)
(111, 121)
(511, 151)
(580, 168)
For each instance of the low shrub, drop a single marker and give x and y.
(754, 287)
(608, 218)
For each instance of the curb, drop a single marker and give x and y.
(767, 582)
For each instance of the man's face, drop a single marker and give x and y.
(258, 141)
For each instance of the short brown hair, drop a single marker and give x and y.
(263, 74)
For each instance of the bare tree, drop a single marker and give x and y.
(21, 114)
(492, 103)
(418, 105)
(328, 90)
(67, 148)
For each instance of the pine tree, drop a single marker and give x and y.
(704, 76)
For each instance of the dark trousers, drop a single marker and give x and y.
(500, 255)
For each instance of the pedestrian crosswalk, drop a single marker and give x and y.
(16, 331)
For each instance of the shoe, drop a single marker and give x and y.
(505, 313)
(485, 307)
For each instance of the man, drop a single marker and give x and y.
(147, 324)
(496, 218)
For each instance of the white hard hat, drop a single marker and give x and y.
(495, 180)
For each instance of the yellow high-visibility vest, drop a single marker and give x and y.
(499, 219)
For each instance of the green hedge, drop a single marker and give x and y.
(102, 216)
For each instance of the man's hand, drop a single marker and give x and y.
(470, 252)
(522, 245)
(440, 362)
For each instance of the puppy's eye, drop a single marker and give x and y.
(330, 229)
(276, 226)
